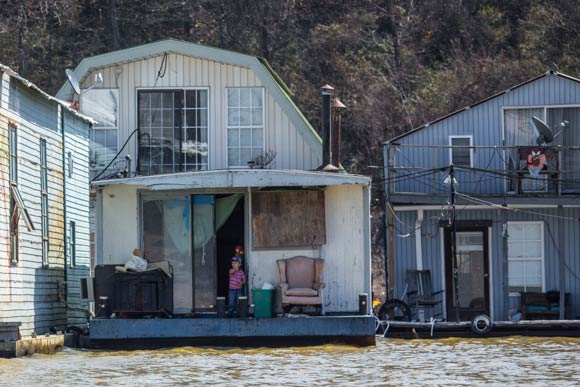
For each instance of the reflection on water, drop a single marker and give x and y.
(458, 362)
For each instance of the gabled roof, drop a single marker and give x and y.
(496, 95)
(271, 81)
(27, 83)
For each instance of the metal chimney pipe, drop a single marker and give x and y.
(337, 106)
(327, 92)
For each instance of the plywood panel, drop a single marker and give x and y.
(288, 219)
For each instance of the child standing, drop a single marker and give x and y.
(237, 281)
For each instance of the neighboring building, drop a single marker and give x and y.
(518, 200)
(44, 203)
(204, 116)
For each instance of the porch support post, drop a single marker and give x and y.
(562, 274)
(418, 246)
(367, 243)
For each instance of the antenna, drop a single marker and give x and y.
(74, 82)
(546, 136)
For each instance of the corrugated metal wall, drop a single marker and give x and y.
(31, 293)
(184, 71)
(431, 241)
(485, 123)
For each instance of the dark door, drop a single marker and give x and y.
(472, 274)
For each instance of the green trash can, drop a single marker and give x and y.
(263, 302)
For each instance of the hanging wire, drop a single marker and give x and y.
(495, 205)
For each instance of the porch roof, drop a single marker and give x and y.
(239, 178)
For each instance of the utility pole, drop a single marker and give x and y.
(455, 265)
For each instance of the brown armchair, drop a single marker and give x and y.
(301, 282)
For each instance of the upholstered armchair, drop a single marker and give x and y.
(301, 282)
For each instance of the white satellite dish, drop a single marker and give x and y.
(74, 82)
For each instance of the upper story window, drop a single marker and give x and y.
(102, 105)
(245, 125)
(174, 130)
(460, 153)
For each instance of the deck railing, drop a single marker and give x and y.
(484, 170)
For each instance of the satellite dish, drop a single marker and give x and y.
(74, 82)
(546, 136)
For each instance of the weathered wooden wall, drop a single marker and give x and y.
(30, 292)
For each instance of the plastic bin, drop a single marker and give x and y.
(263, 302)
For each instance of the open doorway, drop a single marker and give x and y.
(228, 237)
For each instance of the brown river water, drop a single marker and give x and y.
(514, 361)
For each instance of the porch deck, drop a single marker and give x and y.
(227, 332)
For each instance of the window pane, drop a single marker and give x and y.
(257, 97)
(245, 156)
(534, 269)
(515, 249)
(234, 156)
(515, 269)
(233, 97)
(257, 116)
(233, 137)
(233, 117)
(533, 231)
(202, 121)
(245, 137)
(202, 98)
(245, 97)
(533, 249)
(257, 137)
(245, 117)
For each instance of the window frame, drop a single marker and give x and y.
(180, 165)
(44, 213)
(451, 138)
(13, 182)
(227, 125)
(542, 259)
(72, 244)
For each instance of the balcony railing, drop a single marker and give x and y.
(484, 170)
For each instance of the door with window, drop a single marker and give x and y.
(470, 295)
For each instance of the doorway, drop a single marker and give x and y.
(472, 273)
(228, 237)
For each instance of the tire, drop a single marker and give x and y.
(481, 324)
(395, 310)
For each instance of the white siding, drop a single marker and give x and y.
(189, 72)
(344, 271)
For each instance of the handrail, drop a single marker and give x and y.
(116, 156)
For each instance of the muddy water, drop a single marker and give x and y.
(451, 362)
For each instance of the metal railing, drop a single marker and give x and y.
(484, 170)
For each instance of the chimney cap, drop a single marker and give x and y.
(336, 104)
(327, 88)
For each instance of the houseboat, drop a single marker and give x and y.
(483, 212)
(197, 150)
(44, 206)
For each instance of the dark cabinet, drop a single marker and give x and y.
(149, 292)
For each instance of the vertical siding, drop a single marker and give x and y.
(484, 123)
(432, 260)
(189, 72)
(76, 134)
